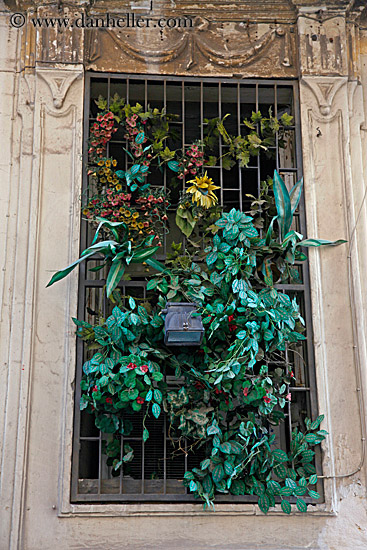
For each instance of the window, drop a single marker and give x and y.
(158, 466)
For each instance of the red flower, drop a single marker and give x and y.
(245, 391)
(131, 366)
(140, 400)
(292, 374)
(266, 399)
(95, 389)
(230, 318)
(109, 400)
(144, 368)
(232, 327)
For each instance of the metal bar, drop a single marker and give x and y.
(81, 312)
(165, 454)
(172, 78)
(239, 133)
(276, 135)
(220, 144)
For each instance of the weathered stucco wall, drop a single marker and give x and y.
(41, 110)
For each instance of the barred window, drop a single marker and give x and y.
(159, 464)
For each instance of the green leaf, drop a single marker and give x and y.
(156, 410)
(286, 491)
(193, 486)
(311, 438)
(280, 471)
(313, 479)
(218, 473)
(228, 468)
(290, 483)
(313, 494)
(132, 303)
(226, 448)
(156, 265)
(173, 165)
(279, 455)
(145, 434)
(273, 487)
(205, 464)
(301, 505)
(283, 205)
(115, 274)
(158, 396)
(140, 138)
(320, 242)
(316, 423)
(149, 396)
(295, 194)
(185, 221)
(64, 272)
(286, 507)
(264, 503)
(144, 254)
(157, 376)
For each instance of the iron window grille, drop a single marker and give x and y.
(155, 474)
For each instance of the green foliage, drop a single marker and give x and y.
(117, 254)
(226, 398)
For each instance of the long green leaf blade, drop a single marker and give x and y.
(156, 265)
(283, 204)
(295, 195)
(320, 242)
(144, 254)
(63, 272)
(114, 276)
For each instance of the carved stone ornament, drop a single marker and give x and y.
(59, 83)
(324, 90)
(209, 47)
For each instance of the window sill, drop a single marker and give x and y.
(156, 510)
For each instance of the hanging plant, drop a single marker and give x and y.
(228, 397)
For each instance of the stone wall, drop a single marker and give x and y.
(41, 110)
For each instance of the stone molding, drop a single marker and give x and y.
(59, 83)
(324, 91)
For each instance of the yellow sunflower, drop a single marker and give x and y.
(114, 163)
(108, 163)
(135, 215)
(101, 163)
(202, 191)
(118, 187)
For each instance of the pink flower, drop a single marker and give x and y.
(245, 392)
(144, 368)
(288, 397)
